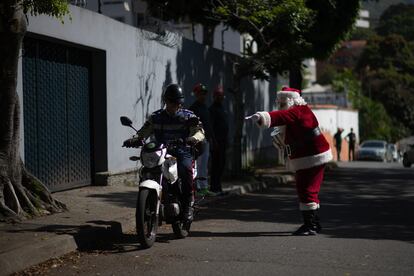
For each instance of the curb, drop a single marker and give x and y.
(21, 258)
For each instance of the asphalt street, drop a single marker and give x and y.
(366, 211)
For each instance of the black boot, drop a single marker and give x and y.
(317, 222)
(309, 228)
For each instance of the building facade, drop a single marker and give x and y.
(76, 79)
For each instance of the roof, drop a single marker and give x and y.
(317, 88)
(330, 106)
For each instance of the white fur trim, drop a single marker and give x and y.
(288, 94)
(310, 161)
(266, 120)
(292, 98)
(308, 206)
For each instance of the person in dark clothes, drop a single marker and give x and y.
(338, 142)
(351, 142)
(220, 126)
(200, 109)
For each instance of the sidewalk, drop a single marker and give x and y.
(95, 213)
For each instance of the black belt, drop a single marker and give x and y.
(309, 135)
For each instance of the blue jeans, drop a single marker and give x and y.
(202, 168)
(185, 170)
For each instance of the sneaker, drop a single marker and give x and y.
(305, 230)
(205, 192)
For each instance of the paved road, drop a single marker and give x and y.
(367, 214)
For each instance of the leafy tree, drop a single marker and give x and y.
(390, 52)
(386, 68)
(374, 121)
(395, 92)
(21, 194)
(397, 19)
(362, 34)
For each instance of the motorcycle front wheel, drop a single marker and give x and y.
(146, 217)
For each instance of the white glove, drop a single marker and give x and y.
(256, 118)
(191, 141)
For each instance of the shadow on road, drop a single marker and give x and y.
(356, 203)
(95, 236)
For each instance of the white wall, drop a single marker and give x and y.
(330, 119)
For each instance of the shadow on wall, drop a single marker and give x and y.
(197, 63)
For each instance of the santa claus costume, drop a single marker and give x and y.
(307, 150)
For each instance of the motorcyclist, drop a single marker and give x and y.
(170, 124)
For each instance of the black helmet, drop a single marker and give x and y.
(173, 93)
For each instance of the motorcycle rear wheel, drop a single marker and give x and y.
(146, 218)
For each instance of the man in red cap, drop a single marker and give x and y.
(307, 149)
(220, 126)
(200, 109)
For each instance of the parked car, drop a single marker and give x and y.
(408, 157)
(393, 153)
(375, 150)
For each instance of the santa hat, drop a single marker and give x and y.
(289, 92)
(200, 88)
(218, 91)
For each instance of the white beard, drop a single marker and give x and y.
(289, 103)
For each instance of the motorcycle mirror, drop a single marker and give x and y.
(134, 158)
(125, 121)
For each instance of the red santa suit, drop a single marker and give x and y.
(307, 148)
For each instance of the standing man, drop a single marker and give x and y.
(307, 149)
(338, 143)
(220, 126)
(200, 109)
(351, 142)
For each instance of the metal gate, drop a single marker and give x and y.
(56, 100)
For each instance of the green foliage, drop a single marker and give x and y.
(374, 120)
(390, 52)
(179, 10)
(285, 31)
(386, 68)
(347, 82)
(395, 91)
(362, 34)
(56, 8)
(398, 19)
(333, 23)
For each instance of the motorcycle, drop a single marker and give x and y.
(159, 196)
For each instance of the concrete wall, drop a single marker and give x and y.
(139, 65)
(332, 118)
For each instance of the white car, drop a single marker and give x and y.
(374, 150)
(408, 157)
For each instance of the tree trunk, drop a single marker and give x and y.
(295, 77)
(238, 107)
(21, 194)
